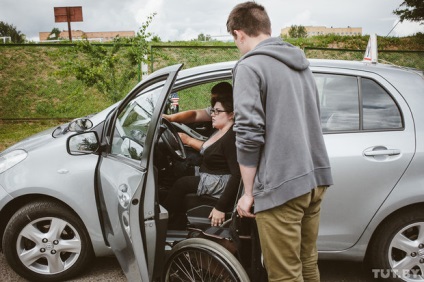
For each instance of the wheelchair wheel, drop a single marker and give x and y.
(198, 259)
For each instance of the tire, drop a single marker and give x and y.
(45, 241)
(198, 259)
(397, 251)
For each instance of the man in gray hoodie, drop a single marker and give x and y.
(280, 147)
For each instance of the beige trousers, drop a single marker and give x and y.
(288, 235)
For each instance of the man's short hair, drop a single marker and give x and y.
(223, 92)
(249, 17)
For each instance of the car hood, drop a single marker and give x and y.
(32, 142)
(44, 137)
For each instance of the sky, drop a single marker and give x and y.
(186, 19)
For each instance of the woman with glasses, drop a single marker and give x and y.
(219, 173)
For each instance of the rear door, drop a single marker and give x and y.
(126, 179)
(369, 133)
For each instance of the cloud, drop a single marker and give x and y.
(186, 19)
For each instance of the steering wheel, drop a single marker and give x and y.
(172, 140)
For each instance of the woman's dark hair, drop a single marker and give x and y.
(223, 93)
(249, 17)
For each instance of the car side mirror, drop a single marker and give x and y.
(80, 125)
(82, 143)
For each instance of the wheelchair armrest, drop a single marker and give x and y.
(198, 216)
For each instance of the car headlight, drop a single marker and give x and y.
(11, 159)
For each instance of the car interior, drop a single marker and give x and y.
(171, 167)
(235, 234)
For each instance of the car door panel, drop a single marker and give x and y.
(367, 182)
(126, 176)
(119, 182)
(366, 166)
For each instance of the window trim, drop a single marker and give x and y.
(360, 104)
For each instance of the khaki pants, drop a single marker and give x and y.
(288, 235)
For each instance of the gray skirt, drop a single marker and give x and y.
(212, 184)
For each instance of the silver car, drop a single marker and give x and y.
(92, 187)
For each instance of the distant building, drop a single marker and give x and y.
(322, 30)
(103, 36)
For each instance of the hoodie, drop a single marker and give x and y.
(277, 123)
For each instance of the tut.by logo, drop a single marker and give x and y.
(396, 273)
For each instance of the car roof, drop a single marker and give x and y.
(363, 65)
(380, 68)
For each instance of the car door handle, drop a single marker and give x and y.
(388, 152)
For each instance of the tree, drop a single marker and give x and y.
(10, 30)
(414, 11)
(156, 39)
(98, 65)
(296, 31)
(54, 34)
(203, 37)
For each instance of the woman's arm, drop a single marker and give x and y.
(190, 141)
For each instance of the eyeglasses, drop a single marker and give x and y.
(217, 111)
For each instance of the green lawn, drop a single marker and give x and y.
(12, 132)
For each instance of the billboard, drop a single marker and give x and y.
(68, 14)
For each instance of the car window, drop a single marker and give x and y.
(379, 109)
(132, 125)
(347, 105)
(196, 97)
(339, 102)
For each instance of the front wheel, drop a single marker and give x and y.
(44, 241)
(397, 251)
(198, 259)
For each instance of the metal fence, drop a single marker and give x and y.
(191, 56)
(408, 58)
(161, 56)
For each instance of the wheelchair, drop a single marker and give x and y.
(229, 252)
(201, 252)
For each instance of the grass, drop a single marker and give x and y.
(33, 84)
(11, 132)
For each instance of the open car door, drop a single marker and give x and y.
(133, 223)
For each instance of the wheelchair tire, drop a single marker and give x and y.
(198, 259)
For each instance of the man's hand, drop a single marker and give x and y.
(244, 205)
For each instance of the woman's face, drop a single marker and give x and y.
(221, 118)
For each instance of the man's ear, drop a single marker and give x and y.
(239, 35)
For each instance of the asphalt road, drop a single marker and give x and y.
(107, 269)
(103, 269)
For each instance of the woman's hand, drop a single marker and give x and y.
(217, 217)
(190, 141)
(185, 138)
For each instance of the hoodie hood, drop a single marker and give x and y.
(288, 54)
